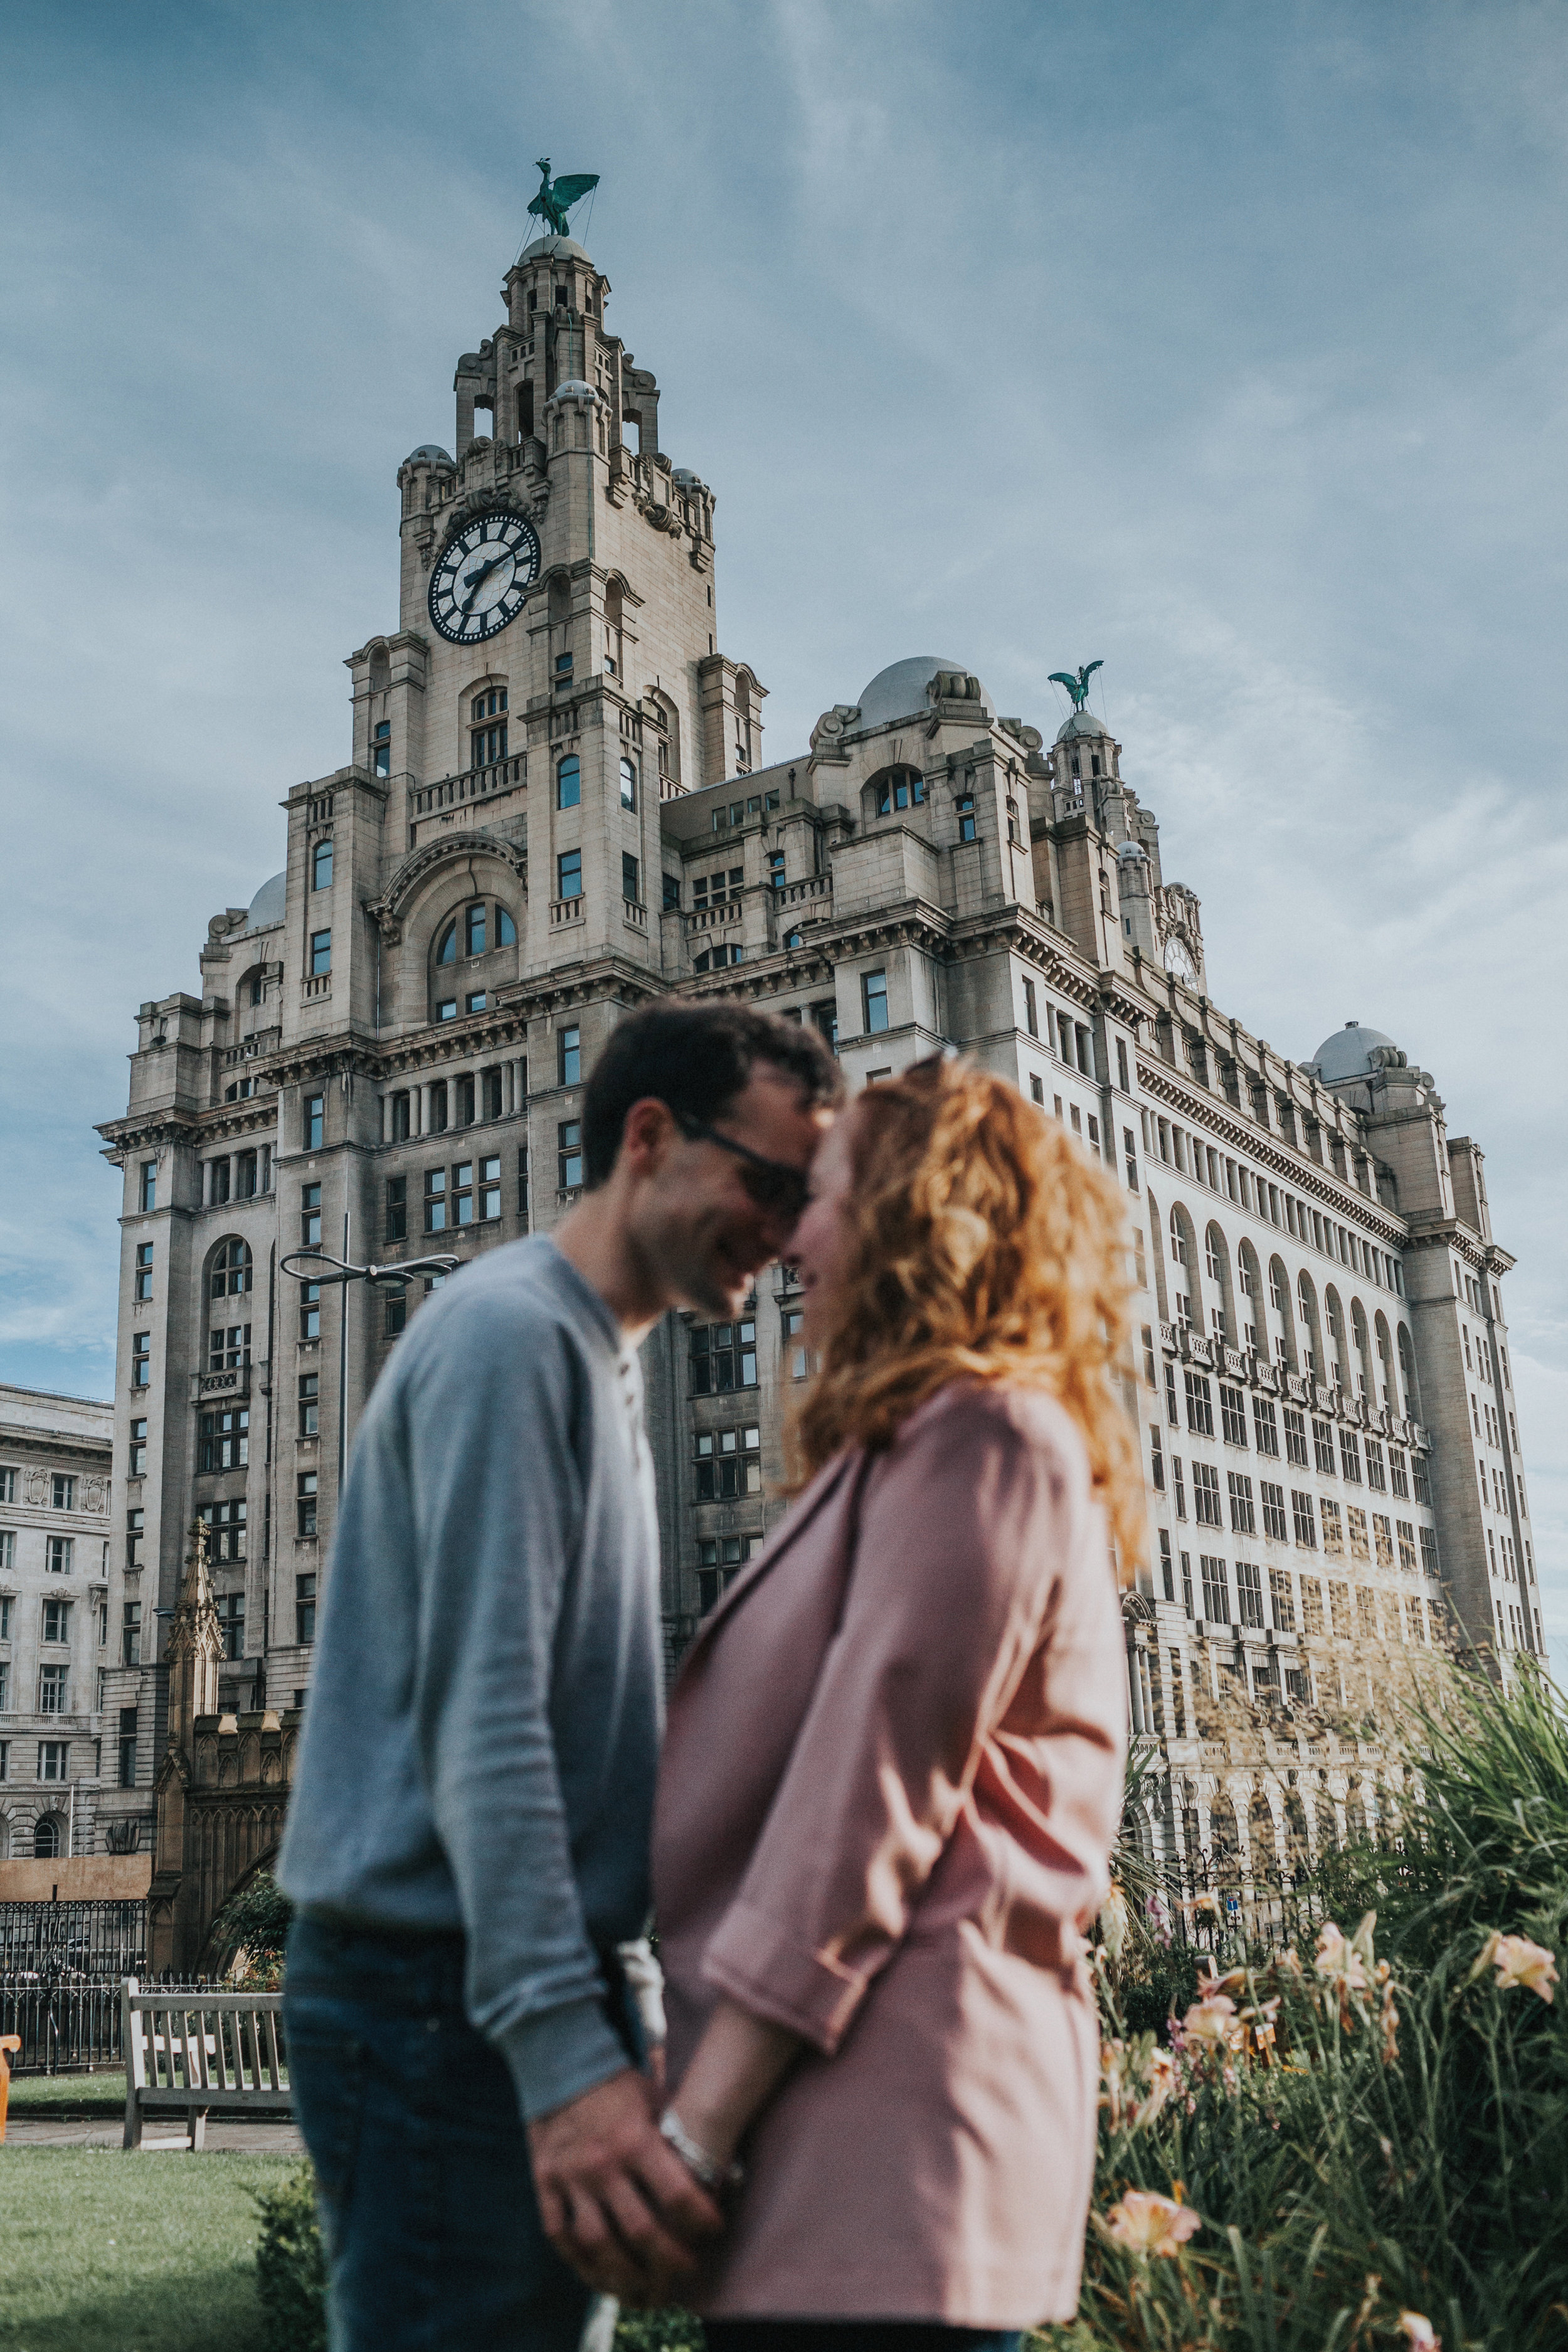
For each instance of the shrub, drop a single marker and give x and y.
(291, 2265)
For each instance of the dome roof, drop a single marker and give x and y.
(427, 453)
(1347, 1053)
(554, 248)
(266, 907)
(1082, 723)
(899, 690)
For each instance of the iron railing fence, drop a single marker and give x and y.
(91, 1939)
(1213, 1902)
(71, 2024)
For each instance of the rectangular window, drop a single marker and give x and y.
(1429, 1552)
(1037, 1091)
(435, 1200)
(1206, 1495)
(489, 1190)
(309, 1311)
(143, 1282)
(1340, 1611)
(1311, 1605)
(1333, 1527)
(131, 1634)
(136, 1458)
(229, 1347)
(463, 1193)
(305, 1498)
(397, 1209)
(54, 1691)
(727, 1463)
(394, 1318)
(1382, 1540)
(1367, 1611)
(147, 1188)
(1399, 1471)
(1248, 1592)
(1295, 1436)
(62, 1491)
(1283, 1599)
(1306, 1525)
(7, 1563)
(1349, 1455)
(381, 748)
(1233, 1415)
(321, 866)
(320, 953)
(1421, 1479)
(1407, 1559)
(1130, 1153)
(57, 1621)
(231, 1623)
(1216, 1590)
(314, 1121)
(1200, 1405)
(569, 1154)
(127, 1775)
(58, 1553)
(1375, 1472)
(569, 1057)
(1323, 1448)
(1273, 1500)
(53, 1753)
(226, 1521)
(671, 891)
(1356, 1522)
(225, 1442)
(1241, 1516)
(1157, 1460)
(523, 1184)
(723, 1356)
(1177, 1487)
(305, 1608)
(874, 994)
(141, 1360)
(1265, 1428)
(1167, 1576)
(569, 874)
(966, 817)
(309, 1404)
(1031, 1010)
(795, 1354)
(631, 888)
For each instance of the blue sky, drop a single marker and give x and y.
(1225, 344)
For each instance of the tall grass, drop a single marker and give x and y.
(1374, 2146)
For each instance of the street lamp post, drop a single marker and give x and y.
(303, 1265)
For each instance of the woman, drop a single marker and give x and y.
(894, 1760)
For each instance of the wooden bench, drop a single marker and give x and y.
(186, 2052)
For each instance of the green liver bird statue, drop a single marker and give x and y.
(556, 197)
(1076, 687)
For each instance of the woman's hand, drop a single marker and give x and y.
(736, 2067)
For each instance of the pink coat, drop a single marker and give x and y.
(892, 1774)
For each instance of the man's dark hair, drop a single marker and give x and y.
(696, 1058)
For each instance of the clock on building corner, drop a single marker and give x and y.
(482, 577)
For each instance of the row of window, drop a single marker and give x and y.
(475, 929)
(53, 1764)
(1233, 1180)
(59, 1552)
(62, 1487)
(1383, 1470)
(569, 782)
(1351, 1610)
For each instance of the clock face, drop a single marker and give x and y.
(482, 579)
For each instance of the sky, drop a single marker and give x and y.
(1223, 344)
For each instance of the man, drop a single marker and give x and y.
(467, 1837)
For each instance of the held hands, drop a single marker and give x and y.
(615, 2200)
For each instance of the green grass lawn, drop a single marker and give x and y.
(102, 2251)
(60, 2098)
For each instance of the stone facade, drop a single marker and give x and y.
(58, 1738)
(542, 828)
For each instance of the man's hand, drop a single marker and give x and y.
(615, 2200)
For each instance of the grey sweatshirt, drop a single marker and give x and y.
(482, 1732)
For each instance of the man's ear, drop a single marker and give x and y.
(647, 1135)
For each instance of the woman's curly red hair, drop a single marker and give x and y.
(989, 1247)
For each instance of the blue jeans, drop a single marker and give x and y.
(411, 2119)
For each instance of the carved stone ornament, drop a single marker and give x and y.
(390, 910)
(95, 1493)
(36, 1487)
(827, 735)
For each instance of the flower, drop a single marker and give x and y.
(1212, 2020)
(1115, 1919)
(1162, 2083)
(1338, 1960)
(1150, 2224)
(1518, 1961)
(1388, 2017)
(1419, 2333)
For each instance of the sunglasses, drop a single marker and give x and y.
(772, 1184)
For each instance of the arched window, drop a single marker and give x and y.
(447, 946)
(506, 930)
(628, 784)
(488, 724)
(476, 929)
(1276, 1286)
(232, 1269)
(900, 788)
(1308, 1307)
(1213, 1246)
(1178, 1245)
(569, 783)
(1407, 1377)
(46, 1838)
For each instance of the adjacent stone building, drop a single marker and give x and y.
(556, 806)
(57, 1736)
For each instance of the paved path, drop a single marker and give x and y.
(242, 2138)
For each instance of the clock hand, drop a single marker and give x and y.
(475, 580)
